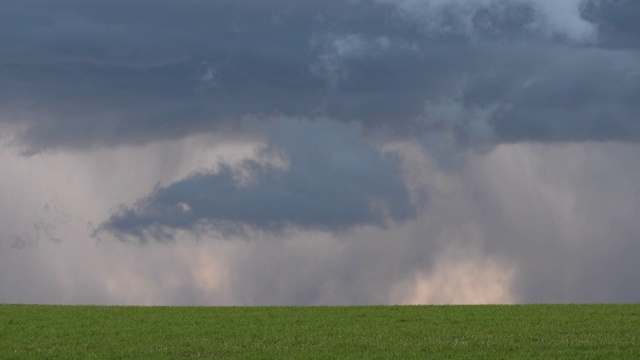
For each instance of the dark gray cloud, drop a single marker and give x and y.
(105, 73)
(333, 181)
(580, 95)
(616, 21)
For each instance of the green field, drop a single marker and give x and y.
(368, 332)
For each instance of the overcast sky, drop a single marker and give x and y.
(319, 152)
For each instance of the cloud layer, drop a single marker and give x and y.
(142, 72)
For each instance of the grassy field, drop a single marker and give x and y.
(370, 332)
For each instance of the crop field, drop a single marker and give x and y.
(359, 332)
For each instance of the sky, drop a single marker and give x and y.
(164, 152)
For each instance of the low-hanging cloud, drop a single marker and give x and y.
(332, 180)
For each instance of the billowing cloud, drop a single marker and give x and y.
(81, 76)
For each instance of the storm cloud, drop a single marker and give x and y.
(329, 179)
(367, 151)
(150, 71)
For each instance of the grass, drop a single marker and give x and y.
(368, 332)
